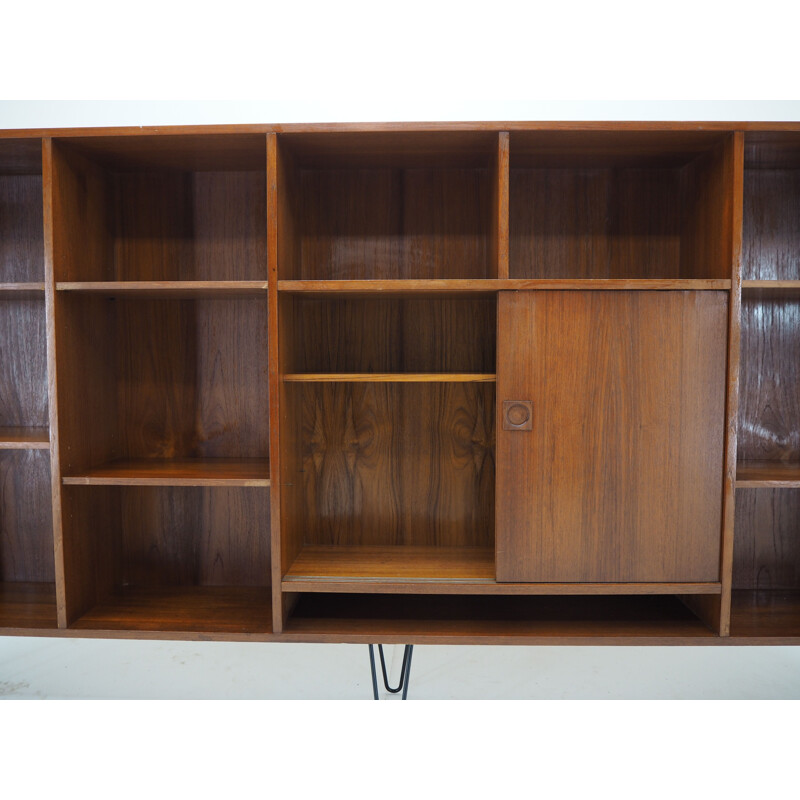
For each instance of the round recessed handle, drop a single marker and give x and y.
(517, 415)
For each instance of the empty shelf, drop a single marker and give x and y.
(193, 609)
(185, 472)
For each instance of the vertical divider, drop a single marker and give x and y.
(736, 147)
(50, 298)
(274, 382)
(500, 178)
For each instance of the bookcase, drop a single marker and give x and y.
(510, 383)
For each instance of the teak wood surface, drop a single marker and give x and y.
(252, 382)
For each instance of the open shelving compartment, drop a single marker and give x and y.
(621, 205)
(27, 566)
(376, 206)
(766, 570)
(161, 318)
(387, 445)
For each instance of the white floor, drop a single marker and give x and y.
(45, 668)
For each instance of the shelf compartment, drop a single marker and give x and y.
(507, 620)
(395, 377)
(388, 336)
(27, 562)
(183, 382)
(165, 558)
(387, 464)
(414, 205)
(771, 615)
(24, 439)
(620, 205)
(183, 472)
(204, 609)
(125, 210)
(769, 380)
(23, 363)
(27, 605)
(167, 289)
(21, 218)
(770, 233)
(767, 474)
(439, 570)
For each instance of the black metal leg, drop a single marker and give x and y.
(405, 671)
(374, 673)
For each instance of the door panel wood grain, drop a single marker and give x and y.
(620, 476)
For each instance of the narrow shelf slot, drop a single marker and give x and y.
(28, 605)
(177, 472)
(166, 289)
(767, 475)
(24, 439)
(189, 609)
(436, 618)
(391, 377)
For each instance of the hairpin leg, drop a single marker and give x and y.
(405, 671)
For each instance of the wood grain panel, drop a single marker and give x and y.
(771, 235)
(23, 363)
(767, 552)
(623, 469)
(391, 335)
(397, 464)
(392, 224)
(26, 520)
(769, 409)
(21, 237)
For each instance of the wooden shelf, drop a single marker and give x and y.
(484, 286)
(178, 472)
(771, 290)
(167, 289)
(393, 564)
(21, 290)
(438, 570)
(767, 475)
(28, 605)
(393, 377)
(24, 439)
(213, 609)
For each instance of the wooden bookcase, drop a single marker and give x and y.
(528, 383)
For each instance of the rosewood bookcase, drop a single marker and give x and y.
(502, 383)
